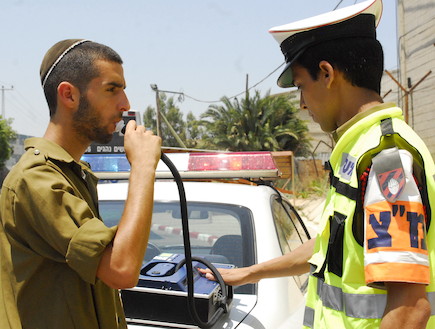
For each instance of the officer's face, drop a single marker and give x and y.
(102, 104)
(315, 97)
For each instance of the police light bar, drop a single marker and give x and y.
(231, 161)
(208, 165)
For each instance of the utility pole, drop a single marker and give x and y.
(160, 115)
(3, 100)
(247, 89)
(154, 87)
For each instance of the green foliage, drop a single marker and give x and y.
(316, 187)
(256, 124)
(149, 119)
(189, 131)
(173, 114)
(7, 135)
(195, 132)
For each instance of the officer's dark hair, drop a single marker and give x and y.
(78, 68)
(361, 60)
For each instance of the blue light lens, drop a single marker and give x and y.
(107, 162)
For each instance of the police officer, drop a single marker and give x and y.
(373, 263)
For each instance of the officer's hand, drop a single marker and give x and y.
(232, 277)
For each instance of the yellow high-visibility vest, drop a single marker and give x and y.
(338, 296)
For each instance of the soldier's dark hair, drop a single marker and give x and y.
(78, 68)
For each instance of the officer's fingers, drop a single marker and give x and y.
(210, 277)
(207, 273)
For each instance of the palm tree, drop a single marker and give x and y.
(256, 124)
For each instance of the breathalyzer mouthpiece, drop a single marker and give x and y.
(120, 127)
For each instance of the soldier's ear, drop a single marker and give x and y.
(68, 95)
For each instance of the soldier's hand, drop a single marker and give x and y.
(141, 146)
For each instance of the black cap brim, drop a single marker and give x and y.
(285, 80)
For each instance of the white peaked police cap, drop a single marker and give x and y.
(359, 20)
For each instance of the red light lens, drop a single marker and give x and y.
(231, 161)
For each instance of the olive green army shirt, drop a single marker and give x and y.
(51, 242)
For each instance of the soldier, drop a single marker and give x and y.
(60, 265)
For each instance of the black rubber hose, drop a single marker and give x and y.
(188, 255)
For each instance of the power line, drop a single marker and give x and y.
(22, 112)
(25, 101)
(21, 105)
(182, 94)
(339, 3)
(253, 86)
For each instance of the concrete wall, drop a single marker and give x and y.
(416, 31)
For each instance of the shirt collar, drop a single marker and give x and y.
(52, 150)
(344, 127)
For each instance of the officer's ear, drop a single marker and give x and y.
(68, 95)
(327, 73)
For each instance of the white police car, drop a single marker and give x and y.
(236, 224)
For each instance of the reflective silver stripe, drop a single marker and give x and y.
(367, 306)
(330, 296)
(309, 317)
(361, 306)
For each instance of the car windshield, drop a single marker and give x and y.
(220, 233)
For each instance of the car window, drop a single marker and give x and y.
(219, 233)
(290, 232)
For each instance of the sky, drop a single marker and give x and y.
(205, 49)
